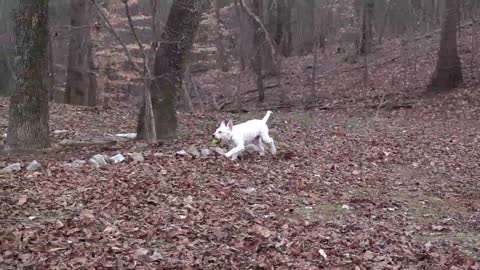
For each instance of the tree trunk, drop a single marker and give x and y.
(384, 23)
(279, 20)
(448, 72)
(92, 77)
(170, 61)
(308, 27)
(367, 27)
(287, 40)
(241, 36)
(257, 61)
(79, 89)
(28, 114)
(221, 56)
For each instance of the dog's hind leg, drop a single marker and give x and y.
(268, 140)
(259, 145)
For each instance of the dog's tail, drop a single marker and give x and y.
(265, 118)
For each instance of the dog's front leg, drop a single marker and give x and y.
(235, 151)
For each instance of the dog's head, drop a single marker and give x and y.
(224, 132)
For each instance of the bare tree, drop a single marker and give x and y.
(448, 72)
(28, 115)
(175, 43)
(221, 56)
(81, 80)
(283, 34)
(276, 61)
(367, 27)
(257, 61)
(149, 128)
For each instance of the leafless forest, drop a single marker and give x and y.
(108, 109)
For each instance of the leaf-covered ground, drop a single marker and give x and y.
(349, 189)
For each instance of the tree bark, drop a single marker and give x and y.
(170, 62)
(278, 37)
(257, 61)
(448, 71)
(367, 27)
(80, 88)
(221, 56)
(28, 113)
(308, 27)
(241, 36)
(286, 15)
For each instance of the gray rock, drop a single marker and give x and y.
(140, 146)
(158, 155)
(34, 166)
(192, 150)
(98, 160)
(127, 135)
(75, 164)
(117, 158)
(12, 168)
(219, 150)
(138, 157)
(182, 153)
(205, 152)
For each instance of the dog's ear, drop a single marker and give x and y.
(222, 124)
(230, 124)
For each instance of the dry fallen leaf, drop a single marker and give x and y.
(87, 216)
(322, 253)
(263, 231)
(156, 256)
(368, 255)
(22, 199)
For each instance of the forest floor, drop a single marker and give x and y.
(382, 177)
(349, 189)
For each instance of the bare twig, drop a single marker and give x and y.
(108, 25)
(132, 28)
(149, 121)
(273, 52)
(275, 57)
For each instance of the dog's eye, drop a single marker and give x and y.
(219, 132)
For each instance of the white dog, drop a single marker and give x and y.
(251, 133)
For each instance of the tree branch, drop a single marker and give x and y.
(108, 25)
(249, 12)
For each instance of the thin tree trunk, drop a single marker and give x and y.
(185, 99)
(308, 27)
(367, 27)
(384, 23)
(28, 114)
(78, 89)
(50, 74)
(448, 72)
(288, 35)
(257, 61)
(221, 56)
(170, 60)
(240, 36)
(92, 78)
(279, 20)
